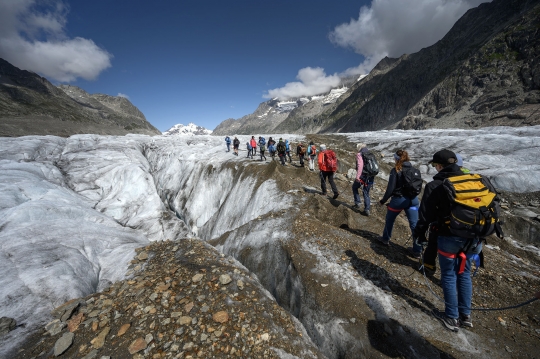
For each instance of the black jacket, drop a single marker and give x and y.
(435, 205)
(395, 182)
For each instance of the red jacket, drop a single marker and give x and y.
(253, 143)
(320, 160)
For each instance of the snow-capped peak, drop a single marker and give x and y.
(190, 130)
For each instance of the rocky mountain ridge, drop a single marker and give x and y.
(31, 105)
(484, 72)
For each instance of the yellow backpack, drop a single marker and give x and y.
(474, 206)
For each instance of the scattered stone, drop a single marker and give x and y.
(137, 345)
(197, 277)
(7, 325)
(93, 353)
(55, 327)
(240, 284)
(148, 338)
(225, 279)
(265, 337)
(142, 256)
(221, 317)
(74, 322)
(63, 343)
(123, 329)
(184, 320)
(65, 311)
(98, 341)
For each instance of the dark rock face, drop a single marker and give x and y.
(31, 105)
(484, 72)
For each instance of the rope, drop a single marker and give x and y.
(477, 309)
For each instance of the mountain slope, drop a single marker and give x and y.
(31, 105)
(484, 72)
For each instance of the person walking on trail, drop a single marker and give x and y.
(288, 150)
(456, 280)
(399, 199)
(228, 142)
(363, 179)
(312, 153)
(301, 152)
(327, 166)
(253, 144)
(262, 147)
(272, 147)
(281, 150)
(249, 150)
(236, 145)
(429, 257)
(460, 164)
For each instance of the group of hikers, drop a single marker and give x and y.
(458, 210)
(281, 148)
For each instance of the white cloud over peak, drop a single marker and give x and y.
(396, 27)
(313, 81)
(34, 39)
(385, 28)
(123, 95)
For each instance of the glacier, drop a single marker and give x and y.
(73, 210)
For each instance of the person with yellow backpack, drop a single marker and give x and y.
(465, 208)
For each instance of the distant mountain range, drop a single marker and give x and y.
(190, 130)
(484, 72)
(31, 105)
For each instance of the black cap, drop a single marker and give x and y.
(444, 157)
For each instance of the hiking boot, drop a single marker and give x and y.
(449, 323)
(383, 241)
(465, 320)
(336, 195)
(324, 193)
(414, 254)
(355, 206)
(366, 212)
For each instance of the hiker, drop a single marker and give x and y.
(429, 257)
(228, 142)
(249, 150)
(253, 144)
(272, 147)
(281, 150)
(262, 147)
(435, 208)
(460, 164)
(236, 145)
(365, 177)
(312, 153)
(399, 200)
(327, 166)
(301, 152)
(288, 150)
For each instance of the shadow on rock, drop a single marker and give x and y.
(381, 278)
(395, 340)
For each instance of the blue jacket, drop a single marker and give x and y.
(228, 140)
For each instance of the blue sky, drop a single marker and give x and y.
(207, 61)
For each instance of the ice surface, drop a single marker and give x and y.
(509, 156)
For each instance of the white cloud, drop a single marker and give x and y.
(35, 40)
(313, 81)
(123, 95)
(396, 27)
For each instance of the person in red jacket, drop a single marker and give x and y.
(253, 144)
(326, 173)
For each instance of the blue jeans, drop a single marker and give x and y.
(228, 147)
(396, 205)
(365, 191)
(457, 288)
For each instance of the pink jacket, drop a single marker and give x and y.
(253, 143)
(359, 165)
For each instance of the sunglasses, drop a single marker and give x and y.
(433, 164)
